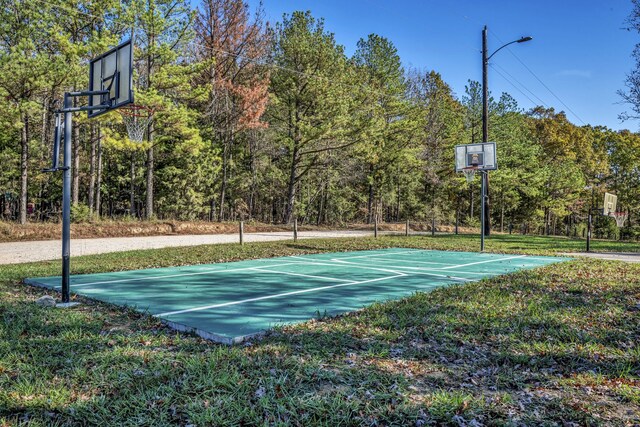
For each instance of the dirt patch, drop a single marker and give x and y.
(413, 226)
(51, 231)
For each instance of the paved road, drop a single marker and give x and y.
(20, 252)
(614, 256)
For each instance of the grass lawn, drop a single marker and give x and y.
(555, 345)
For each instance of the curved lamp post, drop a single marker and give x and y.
(486, 227)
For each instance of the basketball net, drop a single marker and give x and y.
(136, 118)
(620, 217)
(470, 173)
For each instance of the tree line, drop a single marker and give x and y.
(269, 122)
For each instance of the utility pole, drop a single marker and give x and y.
(485, 226)
(486, 223)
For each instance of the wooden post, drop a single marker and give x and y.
(295, 229)
(375, 226)
(433, 226)
(242, 232)
(406, 228)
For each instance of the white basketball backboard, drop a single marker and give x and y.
(610, 204)
(112, 71)
(482, 156)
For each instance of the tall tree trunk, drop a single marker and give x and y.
(75, 190)
(149, 201)
(149, 204)
(371, 195)
(46, 155)
(320, 203)
(92, 170)
(223, 186)
(398, 203)
(24, 168)
(150, 129)
(291, 189)
(325, 217)
(132, 186)
(546, 221)
(502, 212)
(99, 171)
(254, 175)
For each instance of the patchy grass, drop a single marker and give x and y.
(555, 345)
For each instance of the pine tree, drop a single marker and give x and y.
(310, 98)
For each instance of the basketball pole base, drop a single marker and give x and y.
(68, 110)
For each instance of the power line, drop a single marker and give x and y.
(512, 84)
(540, 80)
(520, 83)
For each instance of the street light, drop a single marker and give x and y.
(486, 226)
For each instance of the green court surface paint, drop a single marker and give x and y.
(229, 302)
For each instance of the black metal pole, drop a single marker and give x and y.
(485, 128)
(66, 201)
(485, 89)
(482, 196)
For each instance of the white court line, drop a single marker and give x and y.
(339, 261)
(550, 258)
(302, 291)
(483, 262)
(335, 279)
(211, 271)
(386, 254)
(332, 263)
(417, 262)
(351, 264)
(476, 273)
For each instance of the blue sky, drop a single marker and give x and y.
(579, 50)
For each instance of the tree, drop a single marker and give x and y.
(631, 93)
(565, 157)
(387, 112)
(163, 29)
(518, 180)
(233, 47)
(440, 124)
(28, 66)
(311, 103)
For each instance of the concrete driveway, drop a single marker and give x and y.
(21, 252)
(613, 256)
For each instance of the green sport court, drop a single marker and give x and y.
(229, 302)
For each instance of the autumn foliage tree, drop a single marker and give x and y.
(233, 45)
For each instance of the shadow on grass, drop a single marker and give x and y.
(497, 351)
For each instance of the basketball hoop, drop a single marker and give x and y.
(470, 173)
(620, 217)
(136, 118)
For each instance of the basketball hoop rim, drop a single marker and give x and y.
(136, 110)
(620, 217)
(469, 173)
(618, 214)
